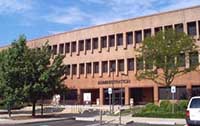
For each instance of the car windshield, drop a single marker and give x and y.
(195, 103)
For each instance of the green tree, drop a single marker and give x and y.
(12, 73)
(163, 56)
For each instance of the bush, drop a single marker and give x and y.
(160, 114)
(150, 107)
(182, 105)
(165, 106)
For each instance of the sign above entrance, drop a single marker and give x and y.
(114, 81)
(173, 89)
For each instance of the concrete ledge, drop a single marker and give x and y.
(85, 119)
(161, 123)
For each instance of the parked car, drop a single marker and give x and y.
(193, 112)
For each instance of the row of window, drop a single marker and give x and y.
(93, 43)
(193, 60)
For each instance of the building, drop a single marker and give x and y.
(103, 56)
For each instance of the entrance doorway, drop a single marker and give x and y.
(94, 95)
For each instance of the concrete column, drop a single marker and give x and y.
(71, 75)
(85, 70)
(189, 90)
(134, 43)
(155, 94)
(197, 28)
(115, 41)
(108, 67)
(127, 96)
(135, 65)
(187, 60)
(91, 46)
(152, 31)
(107, 41)
(142, 35)
(100, 68)
(185, 27)
(84, 48)
(99, 44)
(79, 96)
(78, 72)
(101, 96)
(64, 49)
(77, 47)
(125, 66)
(70, 48)
(116, 67)
(124, 41)
(92, 69)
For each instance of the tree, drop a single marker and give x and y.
(45, 76)
(12, 73)
(163, 56)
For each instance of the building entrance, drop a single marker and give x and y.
(141, 95)
(117, 95)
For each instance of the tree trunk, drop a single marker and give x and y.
(33, 108)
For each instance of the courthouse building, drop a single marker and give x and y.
(104, 56)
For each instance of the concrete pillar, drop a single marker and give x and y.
(77, 47)
(155, 94)
(107, 41)
(85, 70)
(78, 72)
(187, 60)
(108, 68)
(116, 67)
(124, 41)
(134, 43)
(99, 44)
(71, 74)
(79, 96)
(70, 48)
(189, 90)
(197, 28)
(115, 38)
(84, 46)
(91, 45)
(92, 69)
(135, 65)
(100, 68)
(142, 35)
(101, 96)
(127, 96)
(125, 66)
(185, 27)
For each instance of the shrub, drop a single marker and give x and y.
(165, 106)
(182, 105)
(150, 107)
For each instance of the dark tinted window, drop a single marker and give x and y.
(104, 66)
(103, 42)
(179, 27)
(67, 47)
(54, 49)
(131, 64)
(195, 103)
(61, 48)
(168, 27)
(138, 36)
(88, 67)
(95, 43)
(81, 45)
(81, 68)
(194, 58)
(112, 66)
(112, 40)
(74, 69)
(191, 28)
(147, 33)
(96, 67)
(158, 29)
(68, 70)
(121, 65)
(129, 37)
(73, 47)
(119, 39)
(88, 44)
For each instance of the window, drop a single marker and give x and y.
(74, 69)
(104, 66)
(61, 48)
(121, 65)
(131, 64)
(129, 38)
(191, 28)
(140, 64)
(178, 27)
(95, 43)
(147, 33)
(81, 45)
(96, 67)
(88, 68)
(81, 68)
(104, 42)
(54, 49)
(138, 36)
(158, 29)
(73, 47)
(194, 59)
(67, 45)
(88, 44)
(49, 48)
(119, 39)
(68, 70)
(112, 66)
(168, 27)
(112, 40)
(181, 60)
(195, 103)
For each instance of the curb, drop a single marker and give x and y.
(85, 119)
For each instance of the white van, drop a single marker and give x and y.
(193, 112)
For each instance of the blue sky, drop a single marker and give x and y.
(37, 18)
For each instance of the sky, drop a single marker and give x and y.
(38, 18)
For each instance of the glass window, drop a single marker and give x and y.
(49, 48)
(195, 91)
(129, 37)
(130, 64)
(121, 65)
(138, 36)
(81, 68)
(88, 68)
(112, 66)
(168, 27)
(67, 46)
(104, 42)
(74, 69)
(111, 40)
(147, 33)
(194, 58)
(195, 103)
(119, 39)
(96, 67)
(181, 60)
(68, 70)
(178, 27)
(158, 29)
(105, 66)
(81, 45)
(54, 49)
(88, 44)
(95, 43)
(61, 48)
(140, 64)
(191, 28)
(73, 47)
